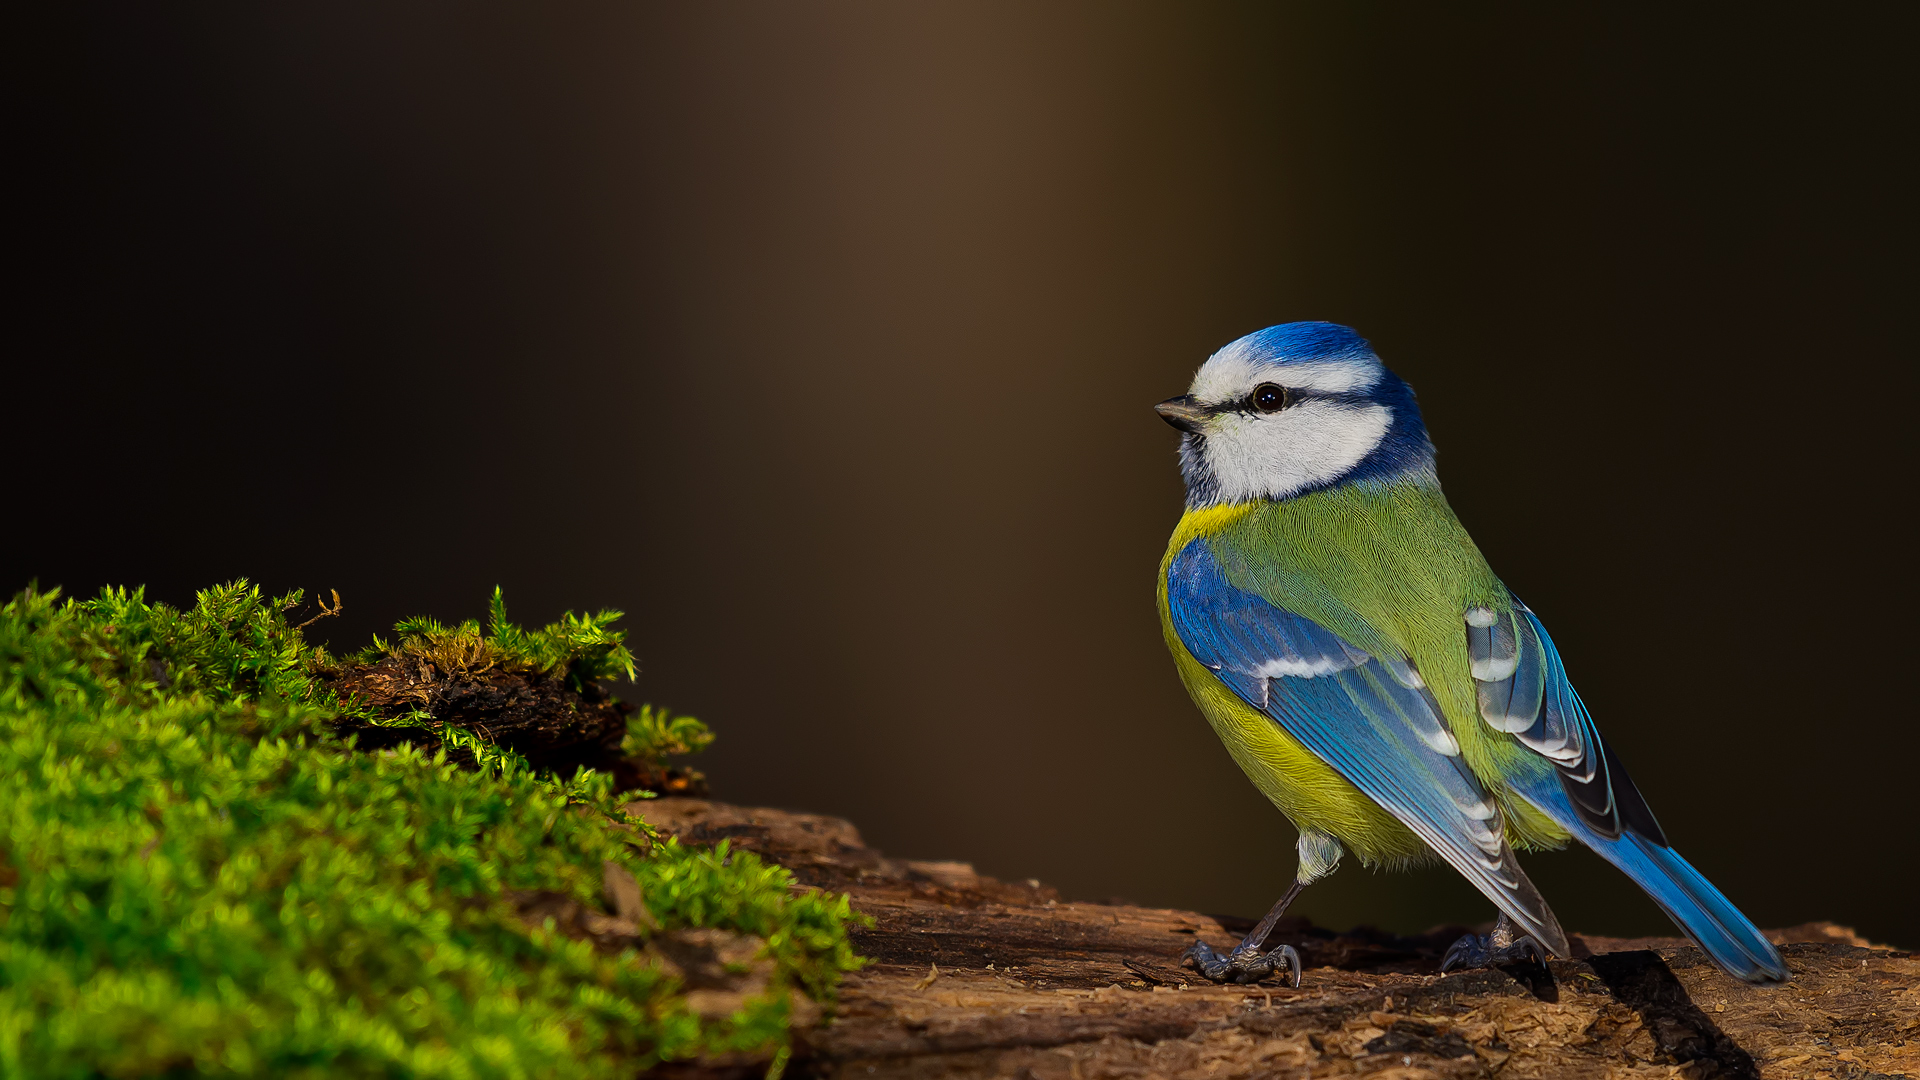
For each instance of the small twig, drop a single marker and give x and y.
(325, 611)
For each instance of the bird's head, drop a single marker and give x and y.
(1292, 409)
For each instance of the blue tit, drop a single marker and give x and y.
(1364, 667)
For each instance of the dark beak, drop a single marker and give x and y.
(1183, 413)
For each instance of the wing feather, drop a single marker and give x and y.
(1372, 718)
(1590, 794)
(1533, 701)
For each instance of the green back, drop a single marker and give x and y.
(1389, 568)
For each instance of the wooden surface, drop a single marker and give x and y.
(976, 977)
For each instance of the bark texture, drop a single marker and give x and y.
(970, 976)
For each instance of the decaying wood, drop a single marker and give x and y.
(537, 714)
(976, 977)
(533, 712)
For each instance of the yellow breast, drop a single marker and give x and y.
(1305, 788)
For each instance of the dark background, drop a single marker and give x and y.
(822, 339)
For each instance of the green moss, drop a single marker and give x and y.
(197, 876)
(580, 648)
(653, 735)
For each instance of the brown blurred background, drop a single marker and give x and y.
(822, 339)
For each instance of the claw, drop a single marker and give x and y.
(1242, 965)
(1246, 963)
(1462, 953)
(1479, 951)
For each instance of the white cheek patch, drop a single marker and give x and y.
(1275, 455)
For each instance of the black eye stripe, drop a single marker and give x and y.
(1296, 395)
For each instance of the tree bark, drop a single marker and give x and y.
(970, 976)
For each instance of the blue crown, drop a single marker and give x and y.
(1297, 342)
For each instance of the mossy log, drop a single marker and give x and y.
(970, 976)
(540, 715)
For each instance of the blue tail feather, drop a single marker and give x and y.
(1691, 900)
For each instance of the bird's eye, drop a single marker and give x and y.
(1268, 397)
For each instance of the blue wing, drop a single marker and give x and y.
(1523, 690)
(1369, 717)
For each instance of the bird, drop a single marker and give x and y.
(1349, 644)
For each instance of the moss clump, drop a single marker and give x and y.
(578, 649)
(652, 736)
(655, 734)
(197, 875)
(531, 691)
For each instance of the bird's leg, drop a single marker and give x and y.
(1246, 963)
(1503, 946)
(1319, 856)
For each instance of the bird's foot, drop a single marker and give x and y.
(1245, 964)
(1487, 950)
